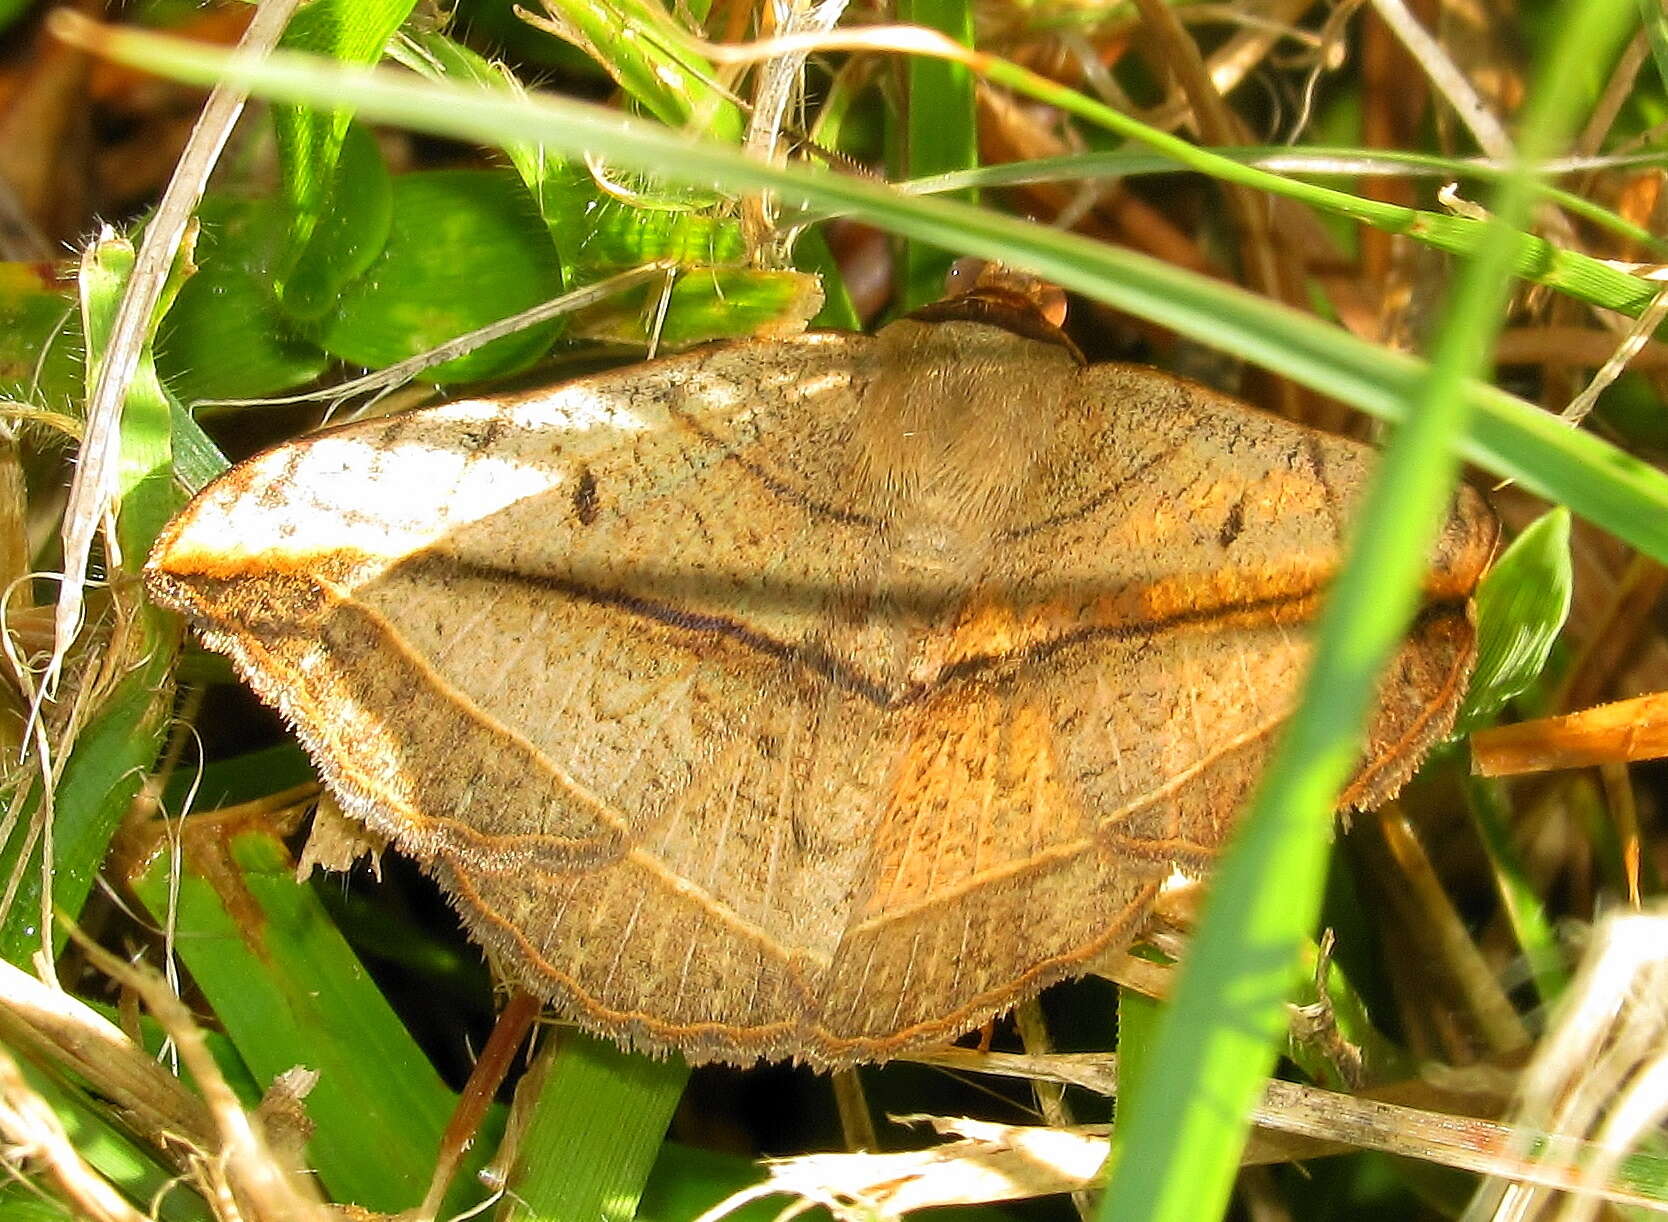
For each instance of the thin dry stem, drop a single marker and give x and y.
(1483, 124)
(1599, 1070)
(89, 500)
(33, 1132)
(253, 1179)
(59, 1028)
(783, 80)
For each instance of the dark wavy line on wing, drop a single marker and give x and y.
(439, 567)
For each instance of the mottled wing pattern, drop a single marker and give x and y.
(1141, 637)
(572, 651)
(584, 596)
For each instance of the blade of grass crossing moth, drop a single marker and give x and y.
(1309, 161)
(108, 760)
(940, 134)
(289, 991)
(591, 1127)
(1580, 275)
(1186, 1127)
(1531, 257)
(1506, 436)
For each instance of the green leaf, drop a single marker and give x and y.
(1521, 608)
(653, 58)
(97, 786)
(686, 1182)
(564, 195)
(309, 141)
(597, 234)
(110, 1152)
(145, 492)
(1656, 30)
(109, 759)
(1318, 161)
(225, 338)
(10, 11)
(196, 459)
(242, 778)
(289, 991)
(705, 303)
(465, 249)
(40, 340)
(1138, 1017)
(1519, 897)
(839, 312)
(348, 234)
(593, 1130)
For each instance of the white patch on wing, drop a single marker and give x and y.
(575, 410)
(329, 501)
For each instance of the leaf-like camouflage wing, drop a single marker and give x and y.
(814, 697)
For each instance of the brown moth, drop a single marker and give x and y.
(815, 697)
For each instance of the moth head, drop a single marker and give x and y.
(976, 290)
(971, 276)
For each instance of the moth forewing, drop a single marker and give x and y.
(816, 697)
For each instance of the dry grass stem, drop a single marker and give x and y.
(57, 1027)
(1624, 730)
(1448, 78)
(33, 1133)
(1599, 1078)
(245, 1177)
(89, 500)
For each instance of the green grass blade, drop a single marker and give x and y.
(593, 1131)
(289, 991)
(1580, 275)
(1656, 30)
(1506, 435)
(940, 134)
(1312, 160)
(1519, 897)
(96, 788)
(1216, 1046)
(108, 760)
(110, 1152)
